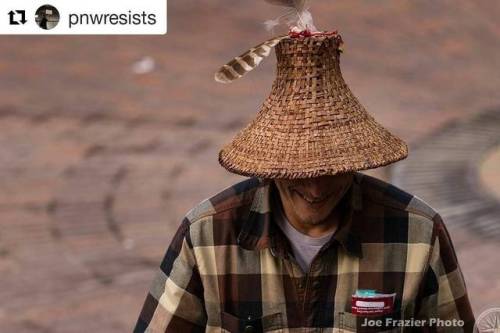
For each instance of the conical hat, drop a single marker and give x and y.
(311, 124)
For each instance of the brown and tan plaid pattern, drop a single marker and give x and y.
(229, 268)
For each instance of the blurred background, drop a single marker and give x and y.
(106, 142)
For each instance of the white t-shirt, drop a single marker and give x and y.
(304, 247)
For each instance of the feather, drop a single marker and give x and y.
(298, 4)
(246, 62)
(298, 18)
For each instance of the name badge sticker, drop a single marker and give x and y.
(368, 302)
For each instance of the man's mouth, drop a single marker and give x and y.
(314, 201)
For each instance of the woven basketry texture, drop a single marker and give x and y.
(311, 124)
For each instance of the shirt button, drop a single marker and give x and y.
(249, 329)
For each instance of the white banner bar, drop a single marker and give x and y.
(83, 17)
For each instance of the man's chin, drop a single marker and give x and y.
(314, 220)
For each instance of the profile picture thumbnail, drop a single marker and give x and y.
(47, 17)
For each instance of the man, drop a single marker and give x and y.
(43, 22)
(308, 243)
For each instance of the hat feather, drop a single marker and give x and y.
(298, 18)
(298, 4)
(241, 65)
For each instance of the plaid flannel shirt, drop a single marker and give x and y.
(229, 268)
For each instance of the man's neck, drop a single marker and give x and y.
(329, 225)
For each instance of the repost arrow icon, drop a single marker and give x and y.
(11, 18)
(23, 16)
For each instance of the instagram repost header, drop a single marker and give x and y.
(90, 17)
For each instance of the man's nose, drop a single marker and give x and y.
(315, 189)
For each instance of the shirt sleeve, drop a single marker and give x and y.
(443, 298)
(175, 300)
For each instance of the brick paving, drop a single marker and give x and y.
(98, 164)
(454, 168)
(488, 173)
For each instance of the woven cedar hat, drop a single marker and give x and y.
(311, 124)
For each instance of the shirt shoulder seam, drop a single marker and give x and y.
(222, 210)
(408, 209)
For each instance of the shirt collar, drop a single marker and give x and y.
(259, 231)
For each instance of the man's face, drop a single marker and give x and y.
(311, 201)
